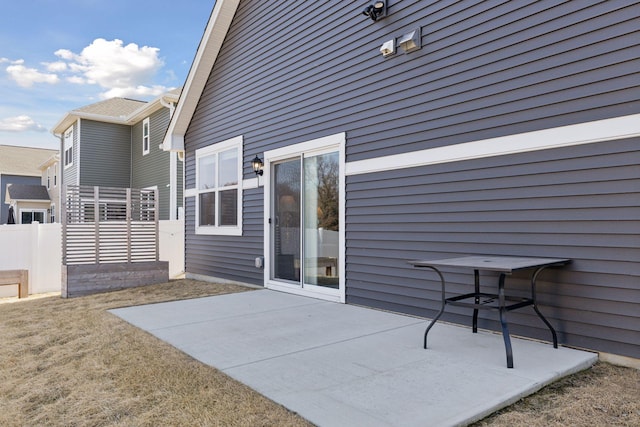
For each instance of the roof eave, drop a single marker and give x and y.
(63, 124)
(51, 160)
(71, 117)
(144, 111)
(150, 108)
(18, 200)
(206, 55)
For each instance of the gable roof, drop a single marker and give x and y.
(16, 192)
(117, 110)
(49, 162)
(206, 55)
(23, 161)
(114, 107)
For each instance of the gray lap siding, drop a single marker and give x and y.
(486, 70)
(152, 169)
(227, 257)
(581, 203)
(105, 154)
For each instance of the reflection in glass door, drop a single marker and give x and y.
(321, 220)
(310, 258)
(285, 220)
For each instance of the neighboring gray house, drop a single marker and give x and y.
(115, 143)
(21, 166)
(440, 129)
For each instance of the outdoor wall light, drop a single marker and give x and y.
(257, 164)
(411, 41)
(376, 10)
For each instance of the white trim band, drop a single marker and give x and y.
(546, 139)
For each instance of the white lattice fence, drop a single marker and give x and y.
(109, 225)
(110, 240)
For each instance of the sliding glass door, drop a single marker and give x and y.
(305, 220)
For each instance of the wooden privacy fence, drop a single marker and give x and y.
(109, 225)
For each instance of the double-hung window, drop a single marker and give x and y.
(219, 188)
(68, 148)
(145, 136)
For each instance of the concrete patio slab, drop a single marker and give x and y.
(338, 364)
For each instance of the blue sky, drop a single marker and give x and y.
(56, 56)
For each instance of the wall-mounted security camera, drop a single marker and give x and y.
(376, 10)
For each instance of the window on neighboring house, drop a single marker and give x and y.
(145, 136)
(52, 214)
(55, 174)
(219, 188)
(48, 178)
(68, 148)
(28, 216)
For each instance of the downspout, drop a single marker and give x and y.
(77, 152)
(170, 105)
(173, 169)
(60, 171)
(131, 142)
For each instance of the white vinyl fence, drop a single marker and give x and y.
(38, 248)
(171, 236)
(34, 247)
(109, 225)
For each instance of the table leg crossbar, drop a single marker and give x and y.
(502, 307)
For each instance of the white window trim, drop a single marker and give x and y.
(32, 210)
(335, 142)
(236, 142)
(67, 147)
(146, 139)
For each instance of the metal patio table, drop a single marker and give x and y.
(504, 265)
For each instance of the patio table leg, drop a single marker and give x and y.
(435, 319)
(535, 306)
(503, 322)
(476, 276)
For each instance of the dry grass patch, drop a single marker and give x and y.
(70, 362)
(604, 395)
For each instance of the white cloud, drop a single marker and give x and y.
(122, 70)
(26, 77)
(56, 67)
(134, 92)
(77, 80)
(20, 124)
(64, 54)
(118, 69)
